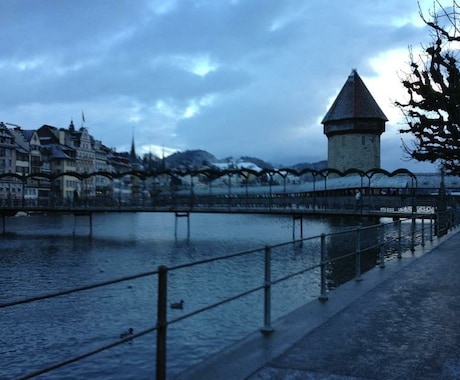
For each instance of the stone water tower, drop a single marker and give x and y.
(353, 126)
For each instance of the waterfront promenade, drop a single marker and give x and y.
(399, 322)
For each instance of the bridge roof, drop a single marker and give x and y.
(425, 182)
(378, 181)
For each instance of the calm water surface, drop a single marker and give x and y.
(42, 254)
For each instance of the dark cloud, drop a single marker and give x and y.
(251, 77)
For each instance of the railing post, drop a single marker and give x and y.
(412, 233)
(323, 296)
(301, 227)
(293, 227)
(188, 226)
(399, 239)
(382, 245)
(437, 225)
(423, 231)
(161, 323)
(431, 229)
(175, 225)
(267, 329)
(358, 254)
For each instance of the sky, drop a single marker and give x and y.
(232, 77)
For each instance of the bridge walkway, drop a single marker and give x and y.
(399, 322)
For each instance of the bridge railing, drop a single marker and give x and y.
(310, 202)
(307, 201)
(361, 248)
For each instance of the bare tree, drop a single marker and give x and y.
(432, 109)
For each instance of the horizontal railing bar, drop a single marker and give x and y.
(293, 242)
(370, 247)
(334, 259)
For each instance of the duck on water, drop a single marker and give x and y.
(127, 333)
(177, 305)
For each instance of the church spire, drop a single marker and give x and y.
(133, 149)
(135, 161)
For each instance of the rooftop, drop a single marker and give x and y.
(354, 102)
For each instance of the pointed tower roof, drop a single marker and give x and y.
(133, 158)
(354, 102)
(132, 153)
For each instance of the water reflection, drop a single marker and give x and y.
(341, 248)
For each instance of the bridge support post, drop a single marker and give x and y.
(296, 217)
(399, 239)
(412, 232)
(4, 224)
(83, 213)
(182, 215)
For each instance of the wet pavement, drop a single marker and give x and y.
(400, 322)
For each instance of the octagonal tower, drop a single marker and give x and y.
(353, 126)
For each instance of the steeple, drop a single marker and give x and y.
(132, 154)
(135, 161)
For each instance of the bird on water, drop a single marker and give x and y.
(127, 333)
(177, 305)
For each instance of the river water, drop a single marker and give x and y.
(44, 254)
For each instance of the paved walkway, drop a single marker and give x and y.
(400, 322)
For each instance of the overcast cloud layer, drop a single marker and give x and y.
(241, 77)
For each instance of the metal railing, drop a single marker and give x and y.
(233, 201)
(384, 238)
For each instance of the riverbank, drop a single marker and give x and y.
(398, 322)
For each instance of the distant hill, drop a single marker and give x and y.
(190, 159)
(320, 165)
(200, 158)
(260, 163)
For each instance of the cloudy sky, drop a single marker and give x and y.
(233, 77)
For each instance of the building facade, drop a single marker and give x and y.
(10, 188)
